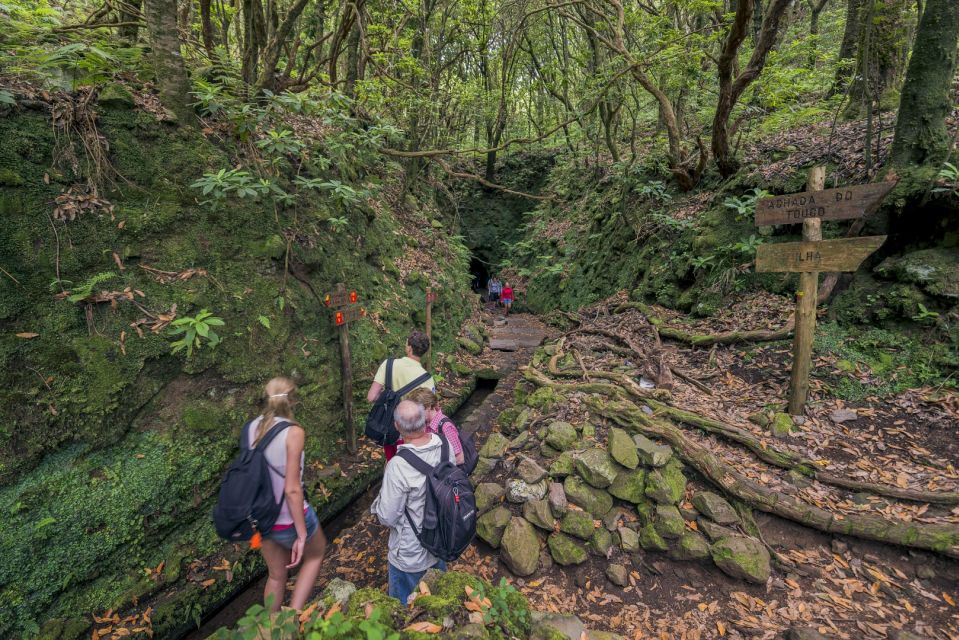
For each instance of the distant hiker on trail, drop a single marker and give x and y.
(494, 287)
(405, 371)
(402, 499)
(507, 298)
(434, 418)
(296, 537)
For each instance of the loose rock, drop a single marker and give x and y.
(562, 466)
(560, 435)
(782, 425)
(668, 522)
(557, 499)
(614, 518)
(519, 441)
(628, 539)
(495, 446)
(650, 540)
(577, 523)
(650, 453)
(601, 542)
(596, 501)
(596, 467)
(741, 557)
(519, 547)
(491, 525)
(715, 508)
(843, 415)
(617, 574)
(488, 495)
(565, 550)
(539, 514)
(339, 590)
(529, 471)
(622, 448)
(667, 484)
(712, 530)
(547, 625)
(690, 546)
(518, 491)
(804, 633)
(483, 467)
(630, 485)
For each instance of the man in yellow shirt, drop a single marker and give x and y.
(406, 369)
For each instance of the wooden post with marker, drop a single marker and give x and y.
(806, 308)
(347, 373)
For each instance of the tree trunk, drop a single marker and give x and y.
(815, 9)
(352, 60)
(130, 12)
(921, 135)
(849, 45)
(880, 53)
(206, 27)
(273, 48)
(172, 80)
(731, 89)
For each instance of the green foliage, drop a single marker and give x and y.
(948, 179)
(745, 205)
(85, 290)
(196, 331)
(925, 315)
(509, 610)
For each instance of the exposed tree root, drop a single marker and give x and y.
(939, 538)
(704, 340)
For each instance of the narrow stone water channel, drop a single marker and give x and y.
(235, 608)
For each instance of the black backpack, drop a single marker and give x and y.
(379, 422)
(470, 453)
(449, 517)
(246, 503)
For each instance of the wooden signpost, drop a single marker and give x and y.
(430, 299)
(342, 301)
(814, 254)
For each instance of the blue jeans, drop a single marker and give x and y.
(402, 584)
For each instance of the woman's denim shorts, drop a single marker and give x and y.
(286, 537)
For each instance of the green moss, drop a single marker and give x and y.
(391, 607)
(452, 584)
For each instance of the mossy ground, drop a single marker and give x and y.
(110, 447)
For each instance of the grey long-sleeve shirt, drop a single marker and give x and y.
(405, 488)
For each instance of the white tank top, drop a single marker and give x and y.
(276, 456)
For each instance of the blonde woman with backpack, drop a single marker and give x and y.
(296, 538)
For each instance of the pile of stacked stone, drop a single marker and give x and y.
(616, 503)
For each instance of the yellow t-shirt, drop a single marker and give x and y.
(405, 371)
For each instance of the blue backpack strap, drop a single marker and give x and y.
(245, 435)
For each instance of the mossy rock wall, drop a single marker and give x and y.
(111, 448)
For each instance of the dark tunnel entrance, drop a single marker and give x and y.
(480, 274)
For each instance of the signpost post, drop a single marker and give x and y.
(430, 299)
(344, 312)
(814, 255)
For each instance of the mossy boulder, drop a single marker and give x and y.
(690, 546)
(650, 453)
(529, 471)
(712, 530)
(562, 466)
(667, 484)
(601, 541)
(488, 495)
(715, 508)
(115, 96)
(495, 446)
(782, 425)
(630, 485)
(519, 491)
(668, 522)
(565, 550)
(935, 271)
(596, 467)
(545, 399)
(484, 466)
(373, 596)
(539, 514)
(650, 540)
(577, 523)
(622, 448)
(742, 558)
(519, 547)
(561, 435)
(469, 345)
(628, 539)
(595, 501)
(491, 525)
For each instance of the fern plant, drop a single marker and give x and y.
(85, 290)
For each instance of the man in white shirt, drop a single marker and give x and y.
(404, 489)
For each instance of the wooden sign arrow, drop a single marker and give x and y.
(822, 255)
(830, 204)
